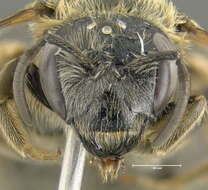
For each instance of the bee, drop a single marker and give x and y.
(115, 74)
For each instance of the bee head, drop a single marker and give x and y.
(99, 75)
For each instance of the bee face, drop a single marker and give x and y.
(104, 91)
(111, 70)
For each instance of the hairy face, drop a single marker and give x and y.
(102, 79)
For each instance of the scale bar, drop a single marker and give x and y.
(159, 165)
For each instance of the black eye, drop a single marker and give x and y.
(167, 74)
(49, 79)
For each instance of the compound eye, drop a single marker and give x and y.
(49, 79)
(167, 74)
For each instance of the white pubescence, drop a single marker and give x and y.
(142, 43)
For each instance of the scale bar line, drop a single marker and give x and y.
(162, 165)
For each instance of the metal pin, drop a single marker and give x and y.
(73, 163)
